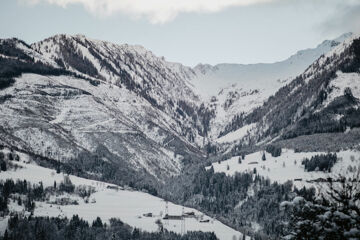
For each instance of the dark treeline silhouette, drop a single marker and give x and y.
(45, 228)
(275, 151)
(323, 162)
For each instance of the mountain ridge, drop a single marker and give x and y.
(81, 118)
(127, 93)
(325, 98)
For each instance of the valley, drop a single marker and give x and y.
(138, 136)
(107, 201)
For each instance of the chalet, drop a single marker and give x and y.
(173, 217)
(205, 221)
(189, 215)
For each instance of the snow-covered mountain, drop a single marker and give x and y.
(235, 89)
(86, 102)
(253, 76)
(165, 85)
(325, 98)
(89, 103)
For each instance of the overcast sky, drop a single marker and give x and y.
(188, 31)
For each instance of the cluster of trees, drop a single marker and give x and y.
(75, 59)
(66, 185)
(323, 162)
(236, 122)
(11, 68)
(26, 192)
(336, 215)
(324, 121)
(149, 189)
(229, 198)
(205, 115)
(275, 151)
(3, 165)
(4, 160)
(220, 192)
(115, 171)
(45, 228)
(5, 81)
(210, 148)
(8, 48)
(19, 62)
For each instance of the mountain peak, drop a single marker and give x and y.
(343, 37)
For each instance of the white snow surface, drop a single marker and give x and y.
(287, 166)
(238, 134)
(211, 79)
(127, 205)
(340, 83)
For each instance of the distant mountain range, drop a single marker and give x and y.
(324, 98)
(259, 75)
(115, 110)
(239, 88)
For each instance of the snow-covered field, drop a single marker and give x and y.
(287, 166)
(238, 134)
(127, 205)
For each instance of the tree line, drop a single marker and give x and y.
(45, 228)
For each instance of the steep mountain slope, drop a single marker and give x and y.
(133, 116)
(325, 98)
(236, 89)
(165, 85)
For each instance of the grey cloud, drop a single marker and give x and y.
(346, 18)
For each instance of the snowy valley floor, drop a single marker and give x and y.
(288, 166)
(110, 201)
